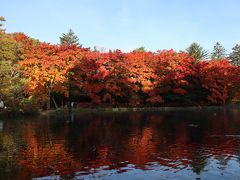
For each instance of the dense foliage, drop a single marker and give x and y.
(44, 75)
(136, 78)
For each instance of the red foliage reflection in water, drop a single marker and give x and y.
(116, 140)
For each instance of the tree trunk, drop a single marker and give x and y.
(55, 104)
(49, 98)
(62, 102)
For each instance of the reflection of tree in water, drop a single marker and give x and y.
(237, 152)
(198, 162)
(41, 156)
(7, 156)
(10, 144)
(115, 140)
(223, 161)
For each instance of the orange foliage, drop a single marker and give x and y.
(134, 78)
(47, 66)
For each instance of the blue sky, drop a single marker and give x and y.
(128, 24)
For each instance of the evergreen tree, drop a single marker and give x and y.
(197, 52)
(235, 55)
(218, 51)
(1, 20)
(69, 39)
(140, 49)
(99, 49)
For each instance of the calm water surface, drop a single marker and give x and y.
(134, 145)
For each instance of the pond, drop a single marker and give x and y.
(202, 144)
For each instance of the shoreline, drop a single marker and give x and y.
(117, 110)
(138, 109)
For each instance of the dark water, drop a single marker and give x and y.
(135, 145)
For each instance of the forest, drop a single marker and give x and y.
(38, 75)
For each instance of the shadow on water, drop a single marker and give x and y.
(130, 145)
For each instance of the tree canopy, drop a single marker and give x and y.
(41, 74)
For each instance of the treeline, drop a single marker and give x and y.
(36, 75)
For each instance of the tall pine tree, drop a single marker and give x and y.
(218, 51)
(2, 19)
(69, 39)
(235, 55)
(197, 52)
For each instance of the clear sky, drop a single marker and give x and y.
(128, 24)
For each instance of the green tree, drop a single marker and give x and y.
(197, 52)
(140, 49)
(99, 49)
(69, 38)
(11, 82)
(2, 19)
(235, 55)
(11, 89)
(218, 51)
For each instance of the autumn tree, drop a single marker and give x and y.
(221, 79)
(46, 67)
(101, 76)
(197, 52)
(219, 51)
(69, 38)
(10, 76)
(175, 71)
(141, 76)
(235, 55)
